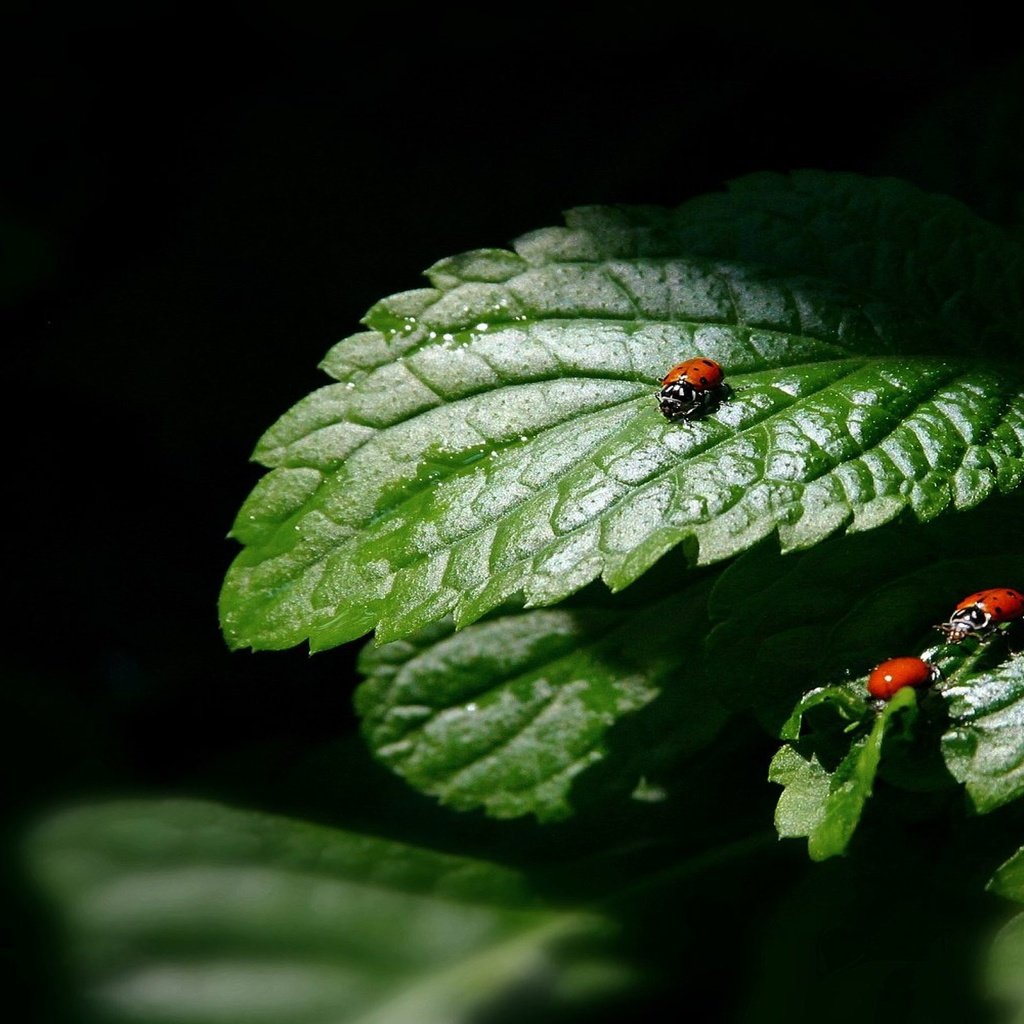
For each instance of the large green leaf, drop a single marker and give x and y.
(507, 713)
(194, 913)
(984, 744)
(497, 436)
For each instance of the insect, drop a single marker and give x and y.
(896, 673)
(981, 612)
(692, 388)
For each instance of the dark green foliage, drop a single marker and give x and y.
(506, 713)
(491, 446)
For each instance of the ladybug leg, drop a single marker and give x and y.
(953, 632)
(964, 623)
(1015, 638)
(680, 400)
(713, 398)
(703, 402)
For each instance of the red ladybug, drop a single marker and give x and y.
(692, 388)
(896, 673)
(981, 612)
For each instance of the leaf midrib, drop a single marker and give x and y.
(574, 372)
(651, 481)
(657, 476)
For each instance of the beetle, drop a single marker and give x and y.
(978, 614)
(896, 673)
(692, 388)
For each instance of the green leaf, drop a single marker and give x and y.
(507, 714)
(1006, 957)
(1008, 880)
(194, 913)
(801, 806)
(850, 701)
(496, 437)
(827, 806)
(984, 745)
(1005, 974)
(783, 624)
(927, 253)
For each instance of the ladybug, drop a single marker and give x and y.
(896, 673)
(981, 612)
(692, 388)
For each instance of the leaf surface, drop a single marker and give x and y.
(826, 806)
(189, 912)
(497, 437)
(506, 714)
(984, 744)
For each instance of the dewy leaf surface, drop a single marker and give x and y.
(195, 913)
(496, 436)
(984, 744)
(507, 713)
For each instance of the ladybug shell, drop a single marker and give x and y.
(896, 673)
(1000, 604)
(702, 374)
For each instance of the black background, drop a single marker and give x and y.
(199, 200)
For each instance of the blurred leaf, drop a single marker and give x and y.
(1006, 965)
(195, 913)
(497, 436)
(507, 713)
(1006, 958)
(784, 624)
(826, 806)
(984, 745)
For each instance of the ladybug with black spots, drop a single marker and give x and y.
(978, 614)
(692, 388)
(891, 676)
